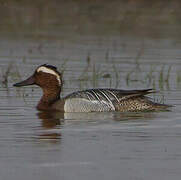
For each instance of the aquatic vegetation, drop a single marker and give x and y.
(178, 77)
(92, 73)
(109, 74)
(63, 66)
(5, 74)
(164, 79)
(156, 75)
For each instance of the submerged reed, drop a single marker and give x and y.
(93, 74)
(5, 75)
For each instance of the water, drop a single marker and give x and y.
(99, 53)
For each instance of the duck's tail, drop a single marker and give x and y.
(161, 107)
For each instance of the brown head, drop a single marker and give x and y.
(50, 80)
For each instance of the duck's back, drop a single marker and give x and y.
(97, 100)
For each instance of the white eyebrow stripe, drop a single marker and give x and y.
(49, 71)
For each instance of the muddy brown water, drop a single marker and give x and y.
(79, 146)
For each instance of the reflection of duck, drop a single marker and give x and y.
(53, 119)
(92, 100)
(50, 121)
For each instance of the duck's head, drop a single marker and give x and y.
(45, 76)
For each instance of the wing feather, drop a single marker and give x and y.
(109, 96)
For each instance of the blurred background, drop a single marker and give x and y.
(124, 43)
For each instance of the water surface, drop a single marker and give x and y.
(107, 50)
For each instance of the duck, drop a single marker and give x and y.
(49, 79)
